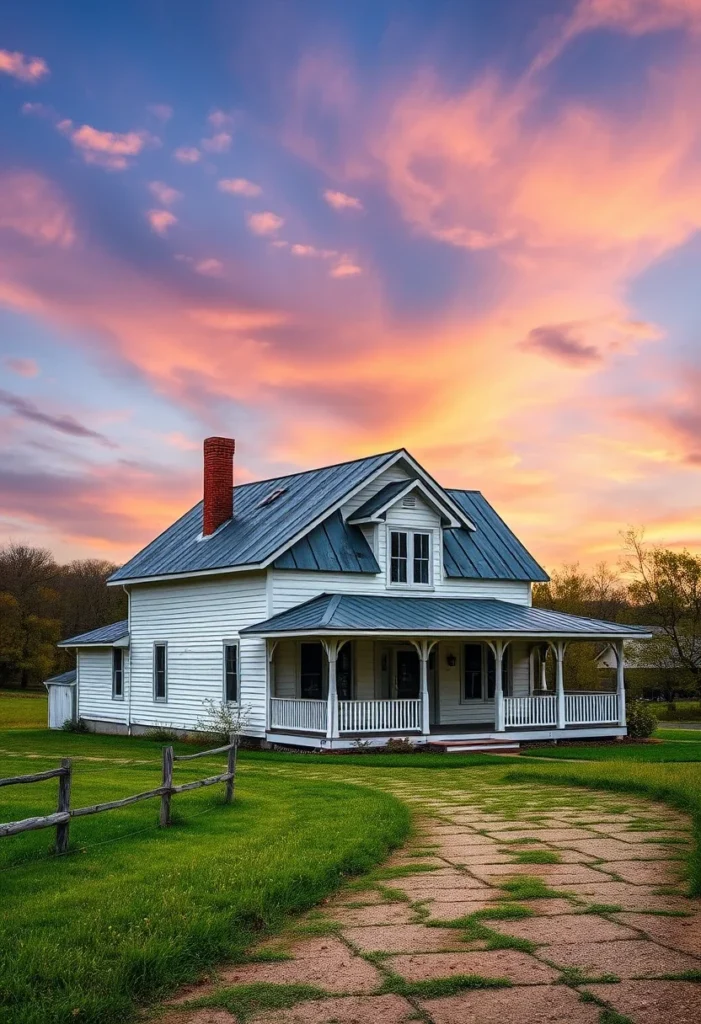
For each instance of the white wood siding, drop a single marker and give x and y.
(95, 685)
(193, 618)
(453, 709)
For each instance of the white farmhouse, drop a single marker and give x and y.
(361, 600)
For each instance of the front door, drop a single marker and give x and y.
(408, 675)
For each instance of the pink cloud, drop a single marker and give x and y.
(187, 154)
(112, 150)
(239, 187)
(22, 367)
(162, 111)
(312, 251)
(30, 206)
(219, 119)
(161, 221)
(165, 195)
(265, 223)
(218, 143)
(345, 268)
(23, 68)
(341, 201)
(209, 267)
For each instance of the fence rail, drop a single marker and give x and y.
(61, 819)
(589, 708)
(304, 715)
(524, 711)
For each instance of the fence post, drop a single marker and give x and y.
(167, 783)
(64, 804)
(231, 769)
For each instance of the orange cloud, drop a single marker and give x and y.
(187, 154)
(265, 223)
(113, 150)
(341, 201)
(23, 68)
(239, 187)
(161, 221)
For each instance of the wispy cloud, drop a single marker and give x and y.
(113, 150)
(220, 120)
(218, 143)
(239, 187)
(563, 342)
(22, 367)
(32, 207)
(345, 268)
(165, 194)
(187, 154)
(265, 223)
(341, 201)
(162, 111)
(161, 221)
(63, 423)
(311, 251)
(208, 267)
(23, 68)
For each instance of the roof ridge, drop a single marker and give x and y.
(319, 469)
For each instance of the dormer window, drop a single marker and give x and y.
(410, 558)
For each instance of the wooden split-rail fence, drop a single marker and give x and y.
(61, 819)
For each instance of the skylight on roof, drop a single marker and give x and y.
(273, 496)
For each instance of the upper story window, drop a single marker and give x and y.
(410, 557)
(117, 673)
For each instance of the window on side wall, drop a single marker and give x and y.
(160, 672)
(311, 675)
(344, 673)
(117, 673)
(472, 672)
(410, 558)
(231, 672)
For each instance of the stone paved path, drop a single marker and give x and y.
(518, 904)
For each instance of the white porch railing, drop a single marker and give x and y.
(303, 715)
(523, 711)
(379, 715)
(591, 708)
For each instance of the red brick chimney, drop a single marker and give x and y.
(218, 483)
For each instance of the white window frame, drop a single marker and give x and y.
(164, 698)
(410, 536)
(115, 695)
(237, 645)
(507, 673)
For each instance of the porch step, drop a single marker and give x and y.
(485, 746)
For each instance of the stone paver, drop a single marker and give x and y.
(472, 838)
(519, 968)
(651, 1002)
(551, 1005)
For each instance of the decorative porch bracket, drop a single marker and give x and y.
(620, 682)
(423, 649)
(332, 647)
(498, 647)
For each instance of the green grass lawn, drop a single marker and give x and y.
(135, 911)
(23, 710)
(668, 750)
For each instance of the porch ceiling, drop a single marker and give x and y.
(372, 615)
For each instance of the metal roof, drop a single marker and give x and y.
(104, 636)
(491, 550)
(333, 546)
(257, 530)
(382, 498)
(346, 613)
(66, 678)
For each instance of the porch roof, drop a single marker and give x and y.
(343, 614)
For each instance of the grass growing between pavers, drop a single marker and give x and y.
(89, 936)
(243, 1001)
(435, 988)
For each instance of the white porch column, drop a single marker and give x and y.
(332, 733)
(270, 646)
(499, 718)
(621, 682)
(423, 649)
(543, 674)
(560, 647)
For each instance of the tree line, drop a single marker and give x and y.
(42, 602)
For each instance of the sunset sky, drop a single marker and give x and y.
(471, 228)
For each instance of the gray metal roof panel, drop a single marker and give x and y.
(256, 531)
(371, 614)
(491, 551)
(379, 500)
(332, 546)
(102, 635)
(64, 677)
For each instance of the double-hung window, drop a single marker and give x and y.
(117, 673)
(160, 672)
(410, 558)
(231, 672)
(311, 676)
(479, 672)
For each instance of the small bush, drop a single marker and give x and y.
(641, 721)
(161, 734)
(79, 725)
(399, 746)
(224, 721)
